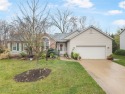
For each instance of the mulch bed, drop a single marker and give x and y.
(32, 75)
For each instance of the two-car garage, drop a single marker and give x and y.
(92, 43)
(91, 52)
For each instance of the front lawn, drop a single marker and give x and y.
(66, 78)
(121, 59)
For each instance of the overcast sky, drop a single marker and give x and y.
(108, 14)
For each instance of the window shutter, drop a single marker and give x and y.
(17, 46)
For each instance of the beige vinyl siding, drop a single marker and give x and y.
(122, 40)
(91, 37)
(68, 47)
(9, 46)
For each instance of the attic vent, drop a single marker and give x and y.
(91, 32)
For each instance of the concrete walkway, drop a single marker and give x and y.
(110, 76)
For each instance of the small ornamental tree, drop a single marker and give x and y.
(32, 23)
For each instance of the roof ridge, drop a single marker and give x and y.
(91, 26)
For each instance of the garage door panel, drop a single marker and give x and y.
(91, 52)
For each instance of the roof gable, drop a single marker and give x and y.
(100, 31)
(122, 31)
(48, 35)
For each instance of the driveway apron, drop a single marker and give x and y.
(109, 75)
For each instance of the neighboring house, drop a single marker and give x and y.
(90, 43)
(122, 40)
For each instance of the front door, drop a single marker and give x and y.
(62, 48)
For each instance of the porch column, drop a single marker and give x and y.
(66, 46)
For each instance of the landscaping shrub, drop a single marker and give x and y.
(110, 57)
(43, 55)
(52, 55)
(4, 54)
(66, 55)
(55, 52)
(120, 52)
(1, 50)
(75, 56)
(23, 54)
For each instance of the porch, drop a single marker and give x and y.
(61, 47)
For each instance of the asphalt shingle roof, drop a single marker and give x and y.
(60, 36)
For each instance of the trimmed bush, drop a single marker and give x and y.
(52, 55)
(1, 50)
(75, 56)
(55, 52)
(120, 52)
(43, 55)
(23, 54)
(4, 54)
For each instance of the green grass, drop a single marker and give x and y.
(121, 60)
(66, 78)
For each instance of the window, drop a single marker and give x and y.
(61, 47)
(45, 43)
(14, 46)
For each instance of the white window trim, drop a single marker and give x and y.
(48, 39)
(14, 45)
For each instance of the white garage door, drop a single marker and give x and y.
(92, 52)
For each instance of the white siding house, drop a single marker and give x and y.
(91, 44)
(122, 40)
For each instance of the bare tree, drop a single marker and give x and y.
(82, 21)
(31, 25)
(77, 23)
(61, 20)
(65, 22)
(74, 23)
(4, 33)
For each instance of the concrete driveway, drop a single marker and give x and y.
(110, 76)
